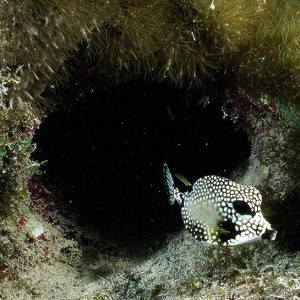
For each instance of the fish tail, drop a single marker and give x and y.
(169, 182)
(173, 192)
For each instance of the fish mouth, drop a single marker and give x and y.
(269, 234)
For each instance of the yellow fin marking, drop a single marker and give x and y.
(183, 179)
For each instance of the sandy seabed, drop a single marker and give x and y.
(90, 267)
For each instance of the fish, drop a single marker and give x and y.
(219, 211)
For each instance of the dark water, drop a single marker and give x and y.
(106, 149)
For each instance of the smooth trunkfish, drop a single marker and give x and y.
(221, 212)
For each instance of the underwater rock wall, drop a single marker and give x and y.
(185, 42)
(252, 46)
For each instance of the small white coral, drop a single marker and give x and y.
(37, 231)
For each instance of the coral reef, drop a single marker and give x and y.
(248, 48)
(18, 124)
(195, 271)
(186, 42)
(179, 269)
(273, 129)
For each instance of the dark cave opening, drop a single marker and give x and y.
(106, 147)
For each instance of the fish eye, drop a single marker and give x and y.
(242, 208)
